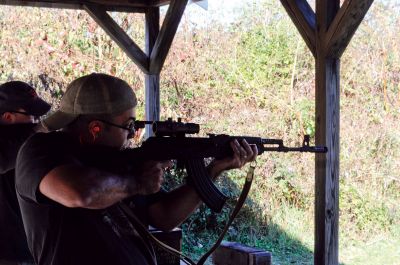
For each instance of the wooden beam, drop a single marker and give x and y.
(166, 35)
(152, 81)
(345, 25)
(160, 2)
(99, 14)
(303, 18)
(74, 5)
(109, 5)
(327, 165)
(152, 28)
(327, 133)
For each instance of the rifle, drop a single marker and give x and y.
(171, 141)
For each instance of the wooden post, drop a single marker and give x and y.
(158, 43)
(327, 40)
(327, 134)
(152, 81)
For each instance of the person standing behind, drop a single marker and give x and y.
(19, 107)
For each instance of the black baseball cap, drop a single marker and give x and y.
(16, 95)
(95, 93)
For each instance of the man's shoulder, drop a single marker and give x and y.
(49, 137)
(47, 141)
(11, 131)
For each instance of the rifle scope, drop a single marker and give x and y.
(170, 127)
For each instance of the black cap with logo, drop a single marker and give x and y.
(17, 95)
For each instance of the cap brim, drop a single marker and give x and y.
(58, 120)
(37, 107)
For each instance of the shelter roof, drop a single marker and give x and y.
(111, 5)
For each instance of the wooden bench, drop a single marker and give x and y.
(233, 253)
(172, 239)
(228, 253)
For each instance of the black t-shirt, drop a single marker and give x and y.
(59, 235)
(13, 246)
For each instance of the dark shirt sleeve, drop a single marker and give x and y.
(11, 139)
(37, 157)
(8, 153)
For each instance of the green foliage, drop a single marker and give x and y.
(304, 112)
(271, 55)
(364, 214)
(253, 77)
(289, 194)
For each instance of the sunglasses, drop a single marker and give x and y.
(130, 126)
(21, 112)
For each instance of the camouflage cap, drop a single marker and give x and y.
(92, 94)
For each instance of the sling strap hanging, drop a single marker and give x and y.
(143, 231)
(235, 211)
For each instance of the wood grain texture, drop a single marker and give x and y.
(110, 5)
(152, 104)
(345, 25)
(152, 82)
(166, 35)
(304, 19)
(100, 15)
(327, 165)
(327, 133)
(233, 253)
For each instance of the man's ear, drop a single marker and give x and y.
(95, 128)
(7, 117)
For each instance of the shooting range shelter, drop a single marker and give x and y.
(327, 31)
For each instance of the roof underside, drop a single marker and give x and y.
(111, 5)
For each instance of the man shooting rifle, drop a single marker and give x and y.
(70, 207)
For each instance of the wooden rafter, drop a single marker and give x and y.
(160, 2)
(303, 17)
(71, 5)
(152, 28)
(166, 35)
(345, 25)
(100, 15)
(109, 5)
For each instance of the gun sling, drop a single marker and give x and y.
(143, 231)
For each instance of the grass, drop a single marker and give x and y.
(255, 77)
(380, 249)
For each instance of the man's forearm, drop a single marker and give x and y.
(174, 208)
(84, 187)
(178, 204)
(109, 189)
